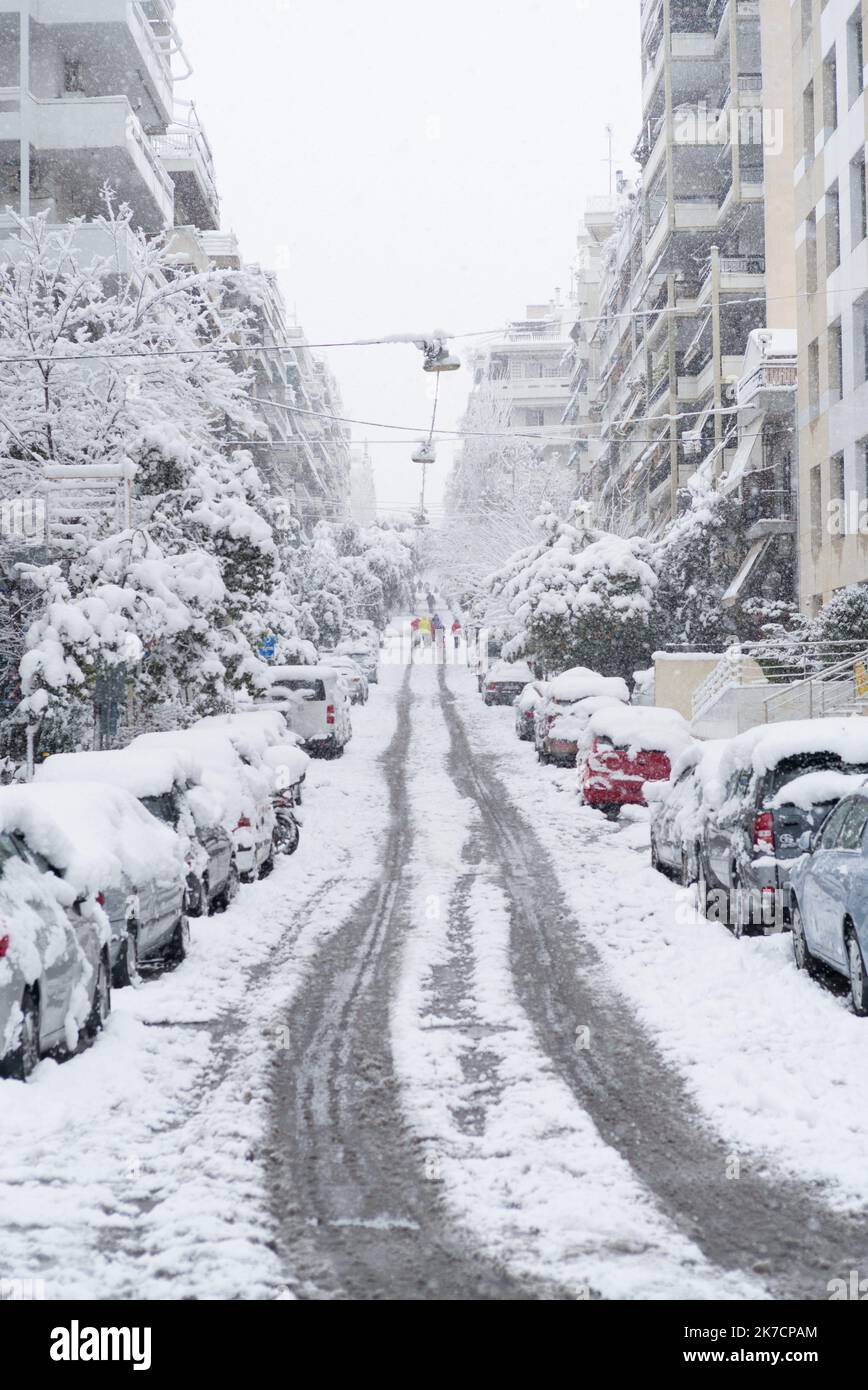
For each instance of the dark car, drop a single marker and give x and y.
(504, 681)
(771, 800)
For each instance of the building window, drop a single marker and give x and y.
(837, 523)
(808, 122)
(830, 91)
(73, 80)
(813, 379)
(833, 229)
(858, 205)
(862, 462)
(816, 507)
(811, 252)
(855, 80)
(535, 418)
(860, 340)
(836, 361)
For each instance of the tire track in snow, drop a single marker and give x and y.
(357, 1217)
(523, 1166)
(761, 1222)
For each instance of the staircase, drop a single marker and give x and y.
(838, 689)
(745, 688)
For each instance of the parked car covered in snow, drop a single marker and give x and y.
(677, 807)
(315, 704)
(622, 748)
(829, 895)
(504, 680)
(102, 842)
(526, 706)
(55, 966)
(365, 654)
(774, 792)
(163, 773)
(351, 674)
(571, 698)
(238, 750)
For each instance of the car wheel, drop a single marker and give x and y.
(267, 865)
(858, 976)
(610, 810)
(102, 1001)
(801, 951)
(196, 895)
(179, 945)
(19, 1064)
(126, 971)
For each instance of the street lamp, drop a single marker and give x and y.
(438, 358)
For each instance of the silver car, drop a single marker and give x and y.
(55, 969)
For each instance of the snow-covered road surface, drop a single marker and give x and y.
(465, 1044)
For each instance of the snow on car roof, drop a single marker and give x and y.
(647, 728)
(763, 747)
(99, 836)
(813, 788)
(579, 682)
(141, 773)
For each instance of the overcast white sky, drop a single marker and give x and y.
(408, 165)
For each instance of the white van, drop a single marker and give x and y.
(315, 702)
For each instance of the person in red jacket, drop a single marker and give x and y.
(456, 633)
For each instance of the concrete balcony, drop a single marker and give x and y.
(120, 46)
(79, 144)
(692, 216)
(186, 156)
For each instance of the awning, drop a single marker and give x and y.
(744, 453)
(748, 566)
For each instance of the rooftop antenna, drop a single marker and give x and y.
(610, 158)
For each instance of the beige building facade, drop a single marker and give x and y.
(831, 211)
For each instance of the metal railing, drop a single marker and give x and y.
(747, 665)
(838, 689)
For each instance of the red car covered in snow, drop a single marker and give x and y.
(625, 747)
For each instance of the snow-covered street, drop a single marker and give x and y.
(465, 1044)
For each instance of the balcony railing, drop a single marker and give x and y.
(742, 265)
(781, 375)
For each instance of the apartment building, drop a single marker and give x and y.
(319, 436)
(828, 67)
(528, 369)
(87, 97)
(692, 346)
(580, 415)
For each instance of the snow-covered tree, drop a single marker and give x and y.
(125, 607)
(695, 562)
(579, 597)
